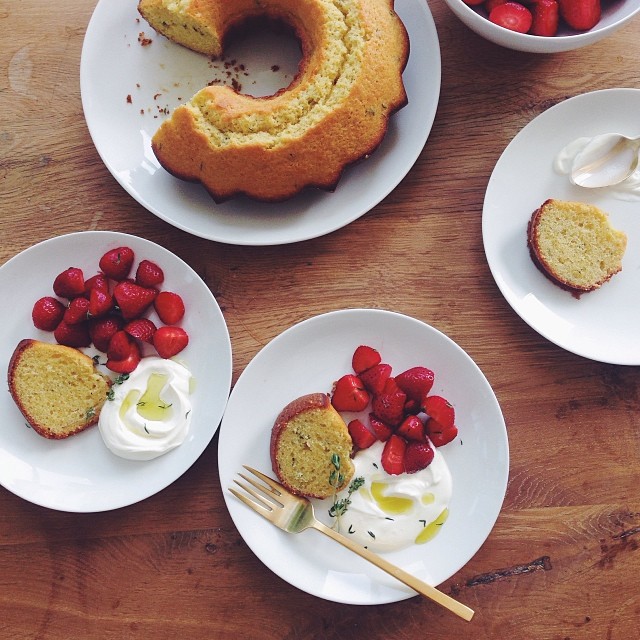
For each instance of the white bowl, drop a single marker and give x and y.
(615, 14)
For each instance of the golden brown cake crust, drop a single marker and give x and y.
(335, 112)
(305, 436)
(41, 393)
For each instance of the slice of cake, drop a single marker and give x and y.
(574, 245)
(311, 447)
(57, 388)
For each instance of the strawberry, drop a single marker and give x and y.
(439, 409)
(149, 274)
(580, 14)
(490, 5)
(412, 407)
(69, 283)
(169, 341)
(388, 406)
(545, 18)
(47, 313)
(361, 436)
(101, 330)
(141, 329)
(364, 358)
(513, 16)
(381, 430)
(117, 263)
(169, 307)
(411, 428)
(133, 299)
(417, 456)
(77, 311)
(100, 302)
(72, 335)
(415, 382)
(99, 281)
(393, 455)
(349, 394)
(439, 434)
(123, 354)
(375, 378)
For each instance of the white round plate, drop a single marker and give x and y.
(79, 474)
(308, 358)
(162, 75)
(601, 325)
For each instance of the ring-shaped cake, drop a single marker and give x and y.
(334, 113)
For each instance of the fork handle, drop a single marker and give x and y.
(411, 581)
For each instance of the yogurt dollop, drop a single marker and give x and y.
(579, 151)
(150, 412)
(388, 512)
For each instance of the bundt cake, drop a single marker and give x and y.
(574, 245)
(311, 447)
(334, 113)
(57, 388)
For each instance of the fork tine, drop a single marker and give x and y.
(259, 508)
(275, 486)
(269, 493)
(263, 500)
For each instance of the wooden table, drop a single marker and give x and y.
(562, 561)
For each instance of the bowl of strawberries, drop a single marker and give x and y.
(544, 26)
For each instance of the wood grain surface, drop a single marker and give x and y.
(562, 562)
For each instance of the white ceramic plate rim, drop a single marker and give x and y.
(113, 65)
(306, 358)
(79, 474)
(601, 325)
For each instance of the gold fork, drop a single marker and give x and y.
(295, 514)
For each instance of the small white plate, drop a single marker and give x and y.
(601, 325)
(80, 474)
(162, 75)
(308, 358)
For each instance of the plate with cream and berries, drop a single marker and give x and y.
(117, 313)
(431, 452)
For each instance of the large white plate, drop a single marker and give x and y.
(307, 358)
(601, 325)
(114, 65)
(80, 474)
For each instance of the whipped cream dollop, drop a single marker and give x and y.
(150, 412)
(388, 512)
(581, 150)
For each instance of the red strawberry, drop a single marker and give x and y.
(349, 394)
(411, 428)
(364, 358)
(99, 281)
(391, 386)
(117, 263)
(381, 430)
(141, 329)
(133, 299)
(72, 335)
(69, 283)
(102, 329)
(412, 407)
(439, 409)
(415, 382)
(417, 456)
(375, 378)
(545, 18)
(513, 16)
(47, 313)
(580, 14)
(389, 406)
(123, 354)
(169, 341)
(77, 311)
(361, 436)
(439, 434)
(393, 455)
(490, 5)
(169, 307)
(100, 302)
(149, 274)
